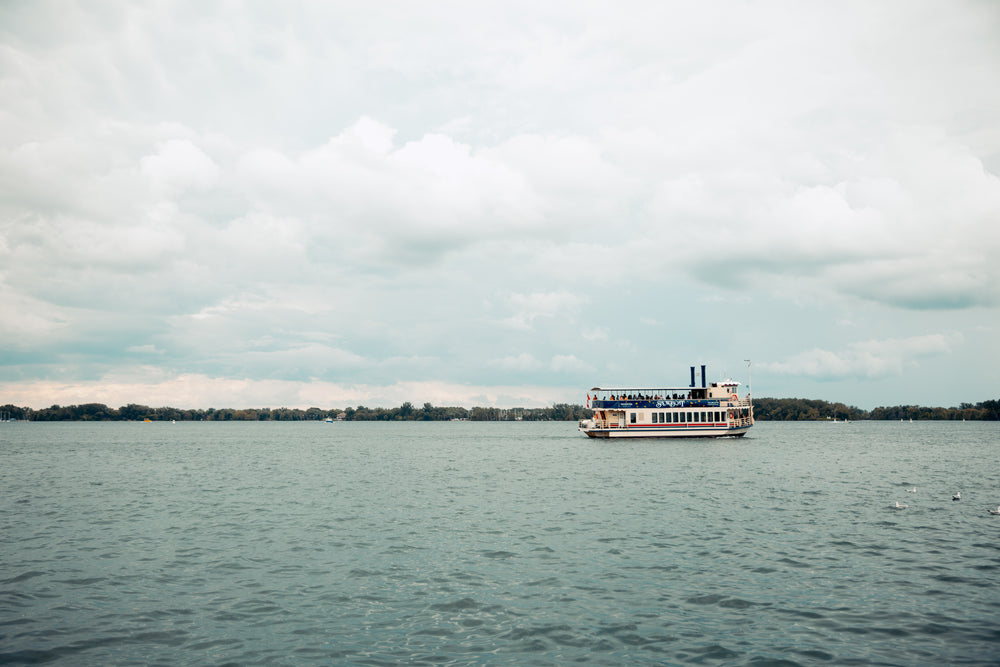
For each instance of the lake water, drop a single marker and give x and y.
(497, 544)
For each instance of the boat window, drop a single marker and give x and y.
(676, 417)
(632, 414)
(655, 417)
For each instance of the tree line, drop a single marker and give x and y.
(406, 412)
(802, 409)
(765, 409)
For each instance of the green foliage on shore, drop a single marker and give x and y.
(802, 409)
(765, 409)
(406, 412)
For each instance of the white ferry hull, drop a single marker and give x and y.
(664, 433)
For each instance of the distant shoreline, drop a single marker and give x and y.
(765, 409)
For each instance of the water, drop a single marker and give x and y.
(498, 544)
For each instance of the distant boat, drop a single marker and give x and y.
(329, 420)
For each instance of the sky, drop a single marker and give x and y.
(332, 204)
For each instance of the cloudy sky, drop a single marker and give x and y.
(247, 204)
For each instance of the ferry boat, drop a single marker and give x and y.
(710, 411)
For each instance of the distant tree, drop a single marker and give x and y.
(765, 409)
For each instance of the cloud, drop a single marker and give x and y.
(149, 348)
(147, 386)
(256, 193)
(521, 362)
(179, 165)
(529, 307)
(865, 359)
(565, 362)
(25, 321)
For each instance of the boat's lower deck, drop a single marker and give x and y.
(722, 421)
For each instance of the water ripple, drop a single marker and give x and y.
(460, 544)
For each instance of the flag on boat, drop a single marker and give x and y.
(588, 400)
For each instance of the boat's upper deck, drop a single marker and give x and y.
(715, 395)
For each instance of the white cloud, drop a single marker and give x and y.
(248, 189)
(565, 362)
(865, 359)
(179, 165)
(520, 362)
(529, 307)
(146, 386)
(148, 348)
(26, 321)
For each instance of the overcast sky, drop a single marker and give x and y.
(249, 204)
